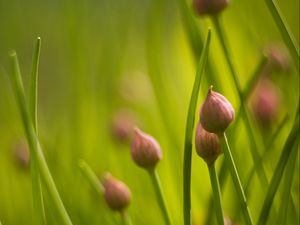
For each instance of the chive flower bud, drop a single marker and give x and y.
(266, 103)
(145, 150)
(207, 145)
(209, 7)
(117, 195)
(216, 113)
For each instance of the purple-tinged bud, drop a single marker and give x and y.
(216, 113)
(278, 58)
(207, 145)
(228, 221)
(122, 125)
(22, 154)
(266, 103)
(117, 195)
(209, 7)
(145, 150)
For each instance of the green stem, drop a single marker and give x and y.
(160, 196)
(91, 177)
(37, 194)
(189, 133)
(236, 180)
(32, 139)
(126, 220)
(278, 172)
(285, 31)
(254, 145)
(216, 193)
(286, 195)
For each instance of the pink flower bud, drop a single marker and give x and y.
(216, 113)
(22, 154)
(266, 103)
(278, 58)
(145, 150)
(203, 7)
(116, 193)
(207, 145)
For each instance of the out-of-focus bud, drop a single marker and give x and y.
(207, 145)
(228, 221)
(117, 195)
(209, 7)
(21, 154)
(266, 103)
(216, 113)
(145, 150)
(278, 58)
(122, 125)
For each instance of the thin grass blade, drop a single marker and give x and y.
(278, 172)
(189, 133)
(32, 139)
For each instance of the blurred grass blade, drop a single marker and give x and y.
(278, 172)
(160, 196)
(216, 193)
(253, 140)
(37, 195)
(91, 177)
(189, 133)
(33, 140)
(126, 218)
(236, 180)
(286, 195)
(254, 78)
(285, 31)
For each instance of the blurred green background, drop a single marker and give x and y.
(102, 58)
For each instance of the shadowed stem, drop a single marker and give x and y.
(278, 172)
(189, 133)
(32, 139)
(216, 193)
(160, 196)
(126, 220)
(236, 180)
(287, 35)
(37, 194)
(254, 150)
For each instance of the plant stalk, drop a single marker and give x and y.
(160, 196)
(216, 193)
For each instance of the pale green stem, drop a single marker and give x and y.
(216, 193)
(126, 220)
(236, 180)
(32, 139)
(160, 196)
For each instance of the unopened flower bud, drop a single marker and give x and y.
(21, 154)
(145, 150)
(207, 145)
(266, 103)
(210, 7)
(278, 58)
(116, 193)
(216, 113)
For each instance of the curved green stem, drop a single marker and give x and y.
(216, 193)
(189, 134)
(91, 177)
(285, 31)
(236, 180)
(253, 141)
(160, 196)
(278, 172)
(37, 194)
(126, 220)
(33, 141)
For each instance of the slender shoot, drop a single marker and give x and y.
(126, 220)
(216, 193)
(32, 139)
(236, 180)
(160, 196)
(189, 133)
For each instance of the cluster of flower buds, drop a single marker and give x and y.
(216, 114)
(117, 195)
(145, 150)
(209, 7)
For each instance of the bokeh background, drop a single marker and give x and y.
(109, 63)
